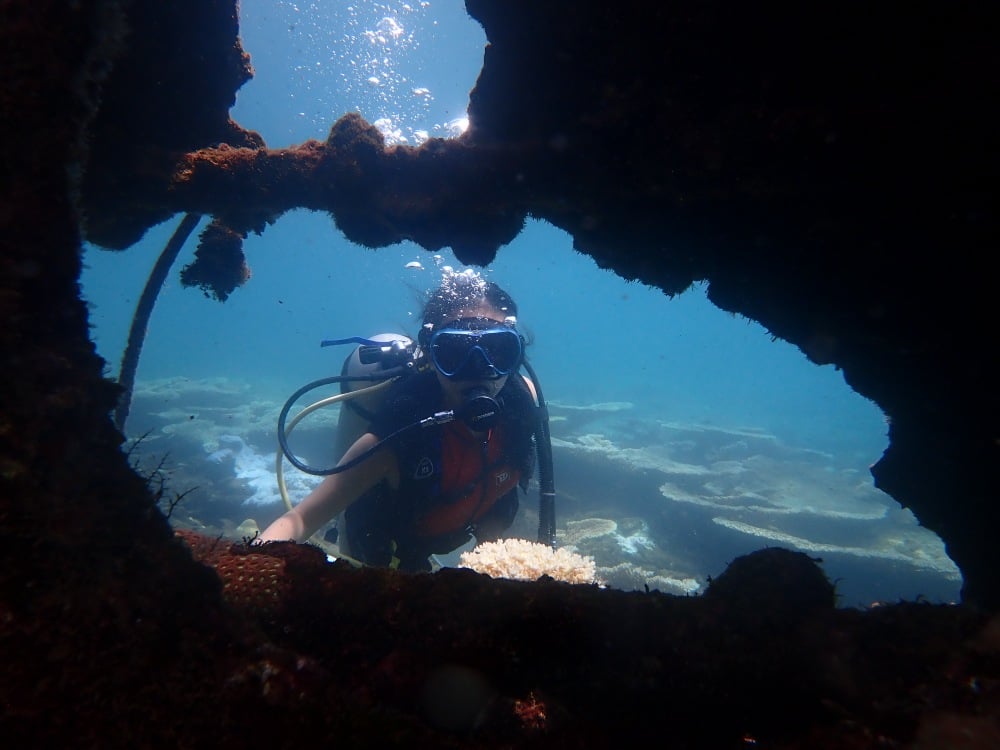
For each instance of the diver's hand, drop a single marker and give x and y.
(287, 528)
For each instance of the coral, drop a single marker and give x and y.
(631, 577)
(652, 457)
(762, 488)
(219, 266)
(913, 546)
(531, 712)
(253, 583)
(522, 560)
(604, 406)
(576, 531)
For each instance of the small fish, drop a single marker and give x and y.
(415, 264)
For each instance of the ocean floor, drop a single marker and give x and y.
(658, 505)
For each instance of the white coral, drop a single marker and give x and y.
(522, 560)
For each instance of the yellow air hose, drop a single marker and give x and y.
(279, 468)
(279, 456)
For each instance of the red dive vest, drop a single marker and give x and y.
(474, 478)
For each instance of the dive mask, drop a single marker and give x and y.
(476, 349)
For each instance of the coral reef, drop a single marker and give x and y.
(749, 483)
(625, 556)
(576, 531)
(217, 436)
(628, 576)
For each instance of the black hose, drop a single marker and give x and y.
(543, 444)
(140, 320)
(546, 478)
(283, 417)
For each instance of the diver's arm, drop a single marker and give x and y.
(335, 493)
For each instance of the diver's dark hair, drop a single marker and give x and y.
(463, 290)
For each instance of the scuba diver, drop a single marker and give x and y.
(440, 460)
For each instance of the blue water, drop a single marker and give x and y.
(595, 338)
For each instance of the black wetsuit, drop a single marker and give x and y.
(451, 481)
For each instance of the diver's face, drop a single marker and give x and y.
(456, 391)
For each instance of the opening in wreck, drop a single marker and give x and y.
(683, 436)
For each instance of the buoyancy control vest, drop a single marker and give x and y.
(451, 479)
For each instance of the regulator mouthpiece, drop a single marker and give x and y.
(480, 411)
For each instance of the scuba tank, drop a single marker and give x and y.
(357, 412)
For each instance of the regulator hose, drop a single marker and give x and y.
(388, 376)
(546, 478)
(543, 440)
(284, 432)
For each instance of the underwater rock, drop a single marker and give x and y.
(781, 583)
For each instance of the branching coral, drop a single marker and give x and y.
(528, 561)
